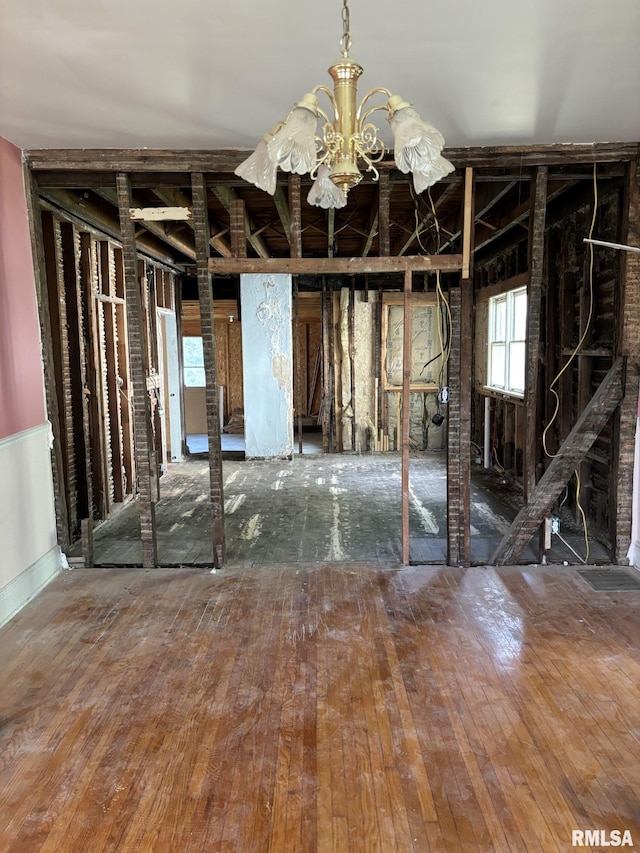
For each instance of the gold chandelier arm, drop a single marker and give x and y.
(329, 95)
(378, 91)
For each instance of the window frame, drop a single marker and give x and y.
(505, 342)
(187, 365)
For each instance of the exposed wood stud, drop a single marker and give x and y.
(296, 330)
(282, 206)
(406, 409)
(295, 212)
(143, 435)
(384, 197)
(352, 359)
(467, 219)
(454, 475)
(238, 232)
(537, 219)
(579, 441)
(326, 394)
(227, 195)
(201, 231)
(466, 368)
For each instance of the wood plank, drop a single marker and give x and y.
(156, 214)
(406, 409)
(467, 223)
(335, 266)
(207, 325)
(579, 441)
(138, 362)
(537, 218)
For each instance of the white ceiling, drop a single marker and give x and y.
(195, 74)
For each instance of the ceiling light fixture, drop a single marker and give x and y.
(332, 159)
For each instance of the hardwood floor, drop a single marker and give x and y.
(319, 708)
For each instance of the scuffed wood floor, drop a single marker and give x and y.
(319, 709)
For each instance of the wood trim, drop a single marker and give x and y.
(500, 287)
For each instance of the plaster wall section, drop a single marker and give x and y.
(267, 358)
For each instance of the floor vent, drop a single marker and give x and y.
(610, 580)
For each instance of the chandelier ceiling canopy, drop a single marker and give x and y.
(333, 158)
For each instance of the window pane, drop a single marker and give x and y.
(516, 366)
(497, 371)
(194, 377)
(520, 315)
(193, 353)
(499, 318)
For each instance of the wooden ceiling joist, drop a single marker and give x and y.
(84, 214)
(226, 195)
(172, 196)
(157, 229)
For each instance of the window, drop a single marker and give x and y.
(193, 363)
(507, 339)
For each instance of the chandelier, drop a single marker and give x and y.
(333, 158)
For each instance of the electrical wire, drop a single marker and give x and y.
(586, 327)
(583, 336)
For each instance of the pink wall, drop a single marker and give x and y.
(22, 403)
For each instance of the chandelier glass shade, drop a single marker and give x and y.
(333, 152)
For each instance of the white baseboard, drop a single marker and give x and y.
(28, 584)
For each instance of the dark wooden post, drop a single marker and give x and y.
(201, 233)
(143, 433)
(384, 196)
(537, 218)
(627, 344)
(454, 478)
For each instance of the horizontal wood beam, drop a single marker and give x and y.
(335, 266)
(573, 450)
(145, 160)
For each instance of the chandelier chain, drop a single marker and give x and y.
(345, 41)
